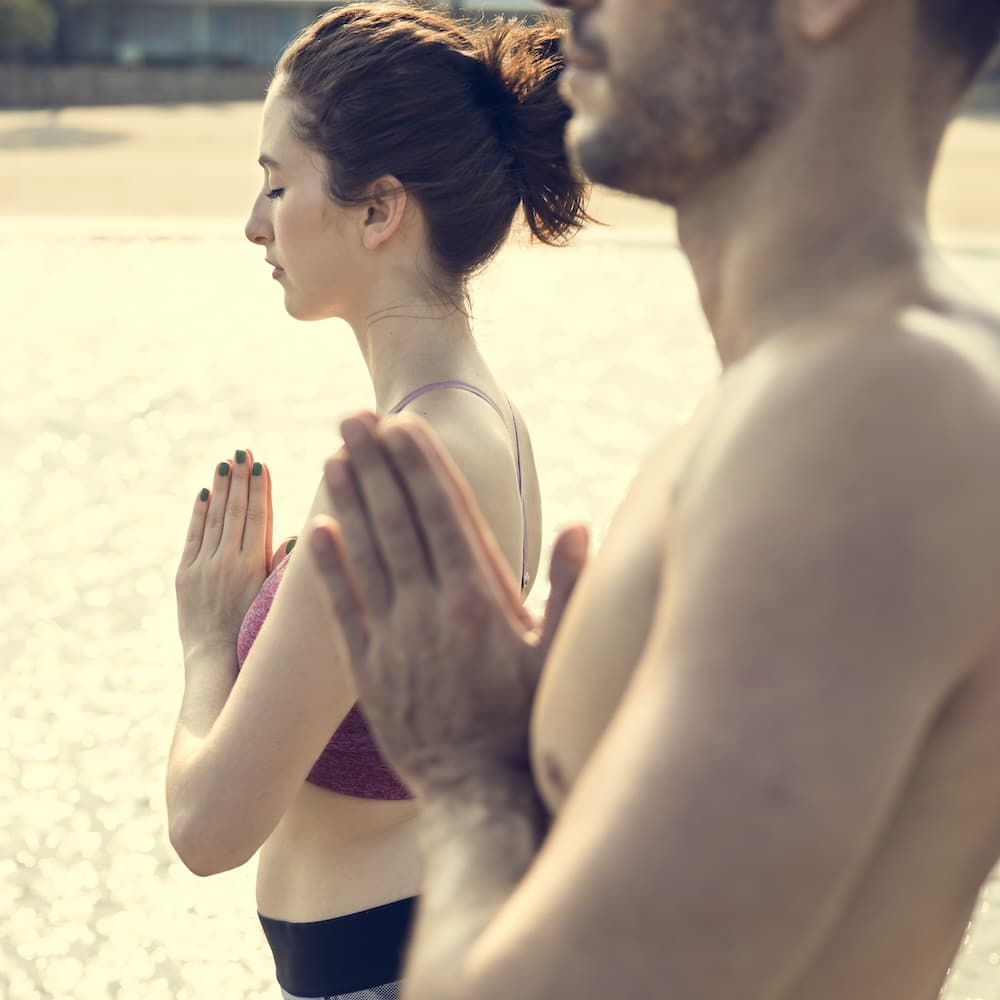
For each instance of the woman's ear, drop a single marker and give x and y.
(384, 210)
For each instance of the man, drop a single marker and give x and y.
(762, 759)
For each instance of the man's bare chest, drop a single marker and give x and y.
(605, 630)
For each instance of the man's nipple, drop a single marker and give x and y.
(554, 776)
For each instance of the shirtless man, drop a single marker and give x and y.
(762, 759)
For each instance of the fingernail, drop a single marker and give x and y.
(223, 468)
(203, 495)
(241, 456)
(289, 546)
(257, 469)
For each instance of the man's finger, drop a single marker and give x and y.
(442, 520)
(325, 544)
(569, 556)
(457, 537)
(357, 538)
(390, 512)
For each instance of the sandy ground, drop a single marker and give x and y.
(143, 342)
(199, 162)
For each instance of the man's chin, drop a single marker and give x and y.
(602, 151)
(597, 152)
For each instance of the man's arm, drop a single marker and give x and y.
(831, 570)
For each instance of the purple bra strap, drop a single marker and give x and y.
(456, 384)
(446, 384)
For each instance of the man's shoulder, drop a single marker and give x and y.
(933, 374)
(863, 472)
(863, 421)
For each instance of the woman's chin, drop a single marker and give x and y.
(301, 311)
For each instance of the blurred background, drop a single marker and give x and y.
(144, 341)
(91, 51)
(232, 43)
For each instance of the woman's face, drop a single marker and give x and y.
(308, 236)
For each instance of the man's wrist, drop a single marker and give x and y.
(465, 803)
(478, 836)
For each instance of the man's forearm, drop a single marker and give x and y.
(478, 839)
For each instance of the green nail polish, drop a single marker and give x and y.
(203, 495)
(257, 469)
(289, 546)
(223, 468)
(241, 456)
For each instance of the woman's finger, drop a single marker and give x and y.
(216, 508)
(237, 502)
(255, 536)
(283, 548)
(196, 529)
(269, 529)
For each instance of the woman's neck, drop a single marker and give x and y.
(415, 342)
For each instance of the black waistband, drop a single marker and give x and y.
(355, 952)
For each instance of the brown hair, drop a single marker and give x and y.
(467, 117)
(968, 28)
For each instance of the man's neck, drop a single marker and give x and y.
(820, 221)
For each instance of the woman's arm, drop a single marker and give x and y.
(245, 743)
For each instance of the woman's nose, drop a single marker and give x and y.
(258, 230)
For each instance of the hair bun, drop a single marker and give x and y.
(518, 82)
(494, 91)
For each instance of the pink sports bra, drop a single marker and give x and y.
(350, 764)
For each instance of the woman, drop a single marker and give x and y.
(397, 146)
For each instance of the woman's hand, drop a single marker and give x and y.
(227, 554)
(280, 551)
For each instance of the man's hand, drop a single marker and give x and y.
(445, 657)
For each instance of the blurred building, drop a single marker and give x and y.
(248, 33)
